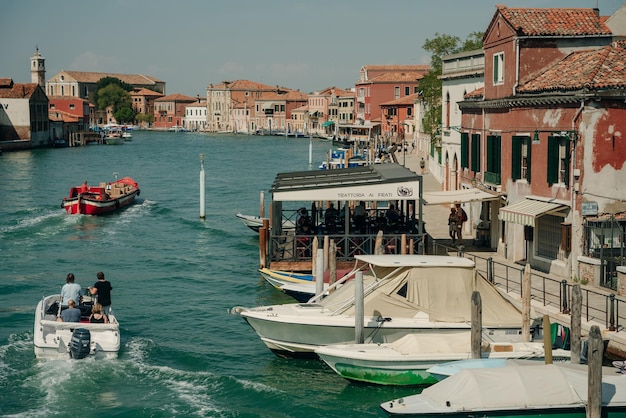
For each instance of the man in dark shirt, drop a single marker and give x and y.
(102, 288)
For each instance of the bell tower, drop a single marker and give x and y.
(38, 69)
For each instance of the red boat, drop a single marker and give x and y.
(102, 199)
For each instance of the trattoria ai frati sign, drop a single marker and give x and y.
(367, 192)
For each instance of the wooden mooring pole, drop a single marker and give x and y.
(477, 325)
(594, 392)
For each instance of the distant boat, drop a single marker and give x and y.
(102, 199)
(300, 286)
(176, 128)
(256, 222)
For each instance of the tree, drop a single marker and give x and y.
(112, 92)
(440, 46)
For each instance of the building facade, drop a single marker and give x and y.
(24, 119)
(542, 132)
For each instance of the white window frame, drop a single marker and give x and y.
(498, 68)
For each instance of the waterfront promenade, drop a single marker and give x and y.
(547, 292)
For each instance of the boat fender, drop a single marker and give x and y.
(138, 192)
(117, 203)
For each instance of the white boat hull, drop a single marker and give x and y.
(51, 339)
(408, 360)
(410, 295)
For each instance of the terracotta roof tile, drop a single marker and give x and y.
(406, 77)
(406, 100)
(479, 93)
(176, 97)
(18, 90)
(555, 21)
(242, 85)
(144, 92)
(602, 68)
(133, 79)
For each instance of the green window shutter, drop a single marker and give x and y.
(464, 150)
(496, 164)
(553, 160)
(528, 166)
(495, 69)
(567, 157)
(516, 160)
(475, 153)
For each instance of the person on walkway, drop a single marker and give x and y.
(71, 290)
(97, 317)
(359, 218)
(71, 314)
(452, 222)
(422, 165)
(102, 288)
(462, 218)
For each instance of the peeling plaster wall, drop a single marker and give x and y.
(601, 155)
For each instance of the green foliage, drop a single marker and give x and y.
(103, 82)
(115, 96)
(145, 117)
(124, 115)
(440, 46)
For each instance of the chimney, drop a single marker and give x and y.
(596, 11)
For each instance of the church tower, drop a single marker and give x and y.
(38, 69)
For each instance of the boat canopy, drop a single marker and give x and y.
(441, 292)
(378, 182)
(545, 385)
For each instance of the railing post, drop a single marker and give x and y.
(612, 312)
(564, 302)
(490, 269)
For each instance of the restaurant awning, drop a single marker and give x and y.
(379, 182)
(458, 196)
(526, 211)
(328, 123)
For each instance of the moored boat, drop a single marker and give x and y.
(403, 294)
(102, 199)
(522, 391)
(300, 286)
(255, 223)
(53, 339)
(408, 361)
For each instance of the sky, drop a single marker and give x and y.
(189, 44)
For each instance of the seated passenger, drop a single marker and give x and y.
(71, 314)
(97, 317)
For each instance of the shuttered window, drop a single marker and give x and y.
(475, 153)
(520, 161)
(464, 150)
(558, 160)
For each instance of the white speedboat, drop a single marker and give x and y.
(408, 361)
(403, 294)
(54, 339)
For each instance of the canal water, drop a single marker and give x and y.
(174, 277)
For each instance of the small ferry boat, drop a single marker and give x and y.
(102, 199)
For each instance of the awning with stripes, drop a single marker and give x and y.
(526, 211)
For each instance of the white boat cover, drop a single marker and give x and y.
(525, 387)
(441, 292)
(450, 342)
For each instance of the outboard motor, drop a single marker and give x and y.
(80, 345)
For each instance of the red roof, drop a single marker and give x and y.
(602, 68)
(12, 90)
(555, 21)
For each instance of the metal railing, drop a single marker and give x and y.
(290, 247)
(597, 305)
